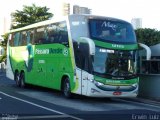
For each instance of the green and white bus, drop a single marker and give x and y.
(82, 54)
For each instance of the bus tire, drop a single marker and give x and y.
(16, 78)
(66, 88)
(22, 80)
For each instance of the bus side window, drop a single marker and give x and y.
(32, 36)
(45, 36)
(63, 33)
(39, 36)
(57, 33)
(49, 33)
(16, 39)
(81, 52)
(28, 37)
(52, 33)
(63, 37)
(77, 54)
(23, 39)
(11, 39)
(84, 49)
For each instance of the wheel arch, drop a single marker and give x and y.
(63, 78)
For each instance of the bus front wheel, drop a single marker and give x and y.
(66, 88)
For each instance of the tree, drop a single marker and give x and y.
(148, 36)
(4, 45)
(29, 15)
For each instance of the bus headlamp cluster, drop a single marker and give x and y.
(96, 82)
(135, 85)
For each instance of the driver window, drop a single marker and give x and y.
(105, 33)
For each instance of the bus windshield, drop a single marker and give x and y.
(111, 31)
(115, 63)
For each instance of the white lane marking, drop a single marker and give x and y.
(0, 98)
(34, 104)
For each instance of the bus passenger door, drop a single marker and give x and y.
(79, 80)
(81, 57)
(82, 77)
(84, 82)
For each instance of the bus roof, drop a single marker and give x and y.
(37, 25)
(46, 22)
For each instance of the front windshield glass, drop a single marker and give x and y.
(115, 63)
(112, 31)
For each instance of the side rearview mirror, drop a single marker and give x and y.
(90, 43)
(148, 50)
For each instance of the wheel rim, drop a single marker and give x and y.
(17, 79)
(22, 80)
(66, 88)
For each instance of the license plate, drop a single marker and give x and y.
(117, 93)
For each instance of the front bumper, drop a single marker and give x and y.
(100, 90)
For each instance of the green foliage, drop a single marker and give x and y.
(3, 58)
(5, 39)
(148, 36)
(29, 15)
(4, 45)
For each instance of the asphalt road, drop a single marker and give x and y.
(40, 103)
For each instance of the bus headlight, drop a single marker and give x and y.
(135, 85)
(98, 83)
